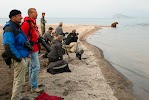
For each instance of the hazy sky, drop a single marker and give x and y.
(78, 8)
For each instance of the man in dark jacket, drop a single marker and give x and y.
(72, 37)
(48, 37)
(55, 56)
(14, 41)
(71, 41)
(57, 51)
(72, 44)
(59, 30)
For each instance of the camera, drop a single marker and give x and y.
(41, 39)
(64, 40)
(44, 44)
(66, 33)
(28, 46)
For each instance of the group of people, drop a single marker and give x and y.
(21, 41)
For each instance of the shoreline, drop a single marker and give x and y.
(118, 82)
(109, 84)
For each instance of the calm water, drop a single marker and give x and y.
(125, 47)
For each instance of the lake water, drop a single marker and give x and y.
(127, 49)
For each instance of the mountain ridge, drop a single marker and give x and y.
(120, 16)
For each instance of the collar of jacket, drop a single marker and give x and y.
(32, 20)
(14, 24)
(55, 41)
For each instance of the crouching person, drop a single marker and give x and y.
(48, 37)
(56, 63)
(72, 44)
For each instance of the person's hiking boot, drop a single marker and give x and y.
(37, 90)
(78, 55)
(67, 68)
(41, 85)
(44, 56)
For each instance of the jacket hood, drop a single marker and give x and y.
(30, 19)
(7, 23)
(11, 23)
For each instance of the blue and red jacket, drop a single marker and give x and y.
(13, 40)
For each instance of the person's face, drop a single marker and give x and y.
(17, 18)
(61, 24)
(74, 31)
(43, 14)
(50, 31)
(54, 34)
(60, 39)
(34, 14)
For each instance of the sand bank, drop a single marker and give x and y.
(93, 78)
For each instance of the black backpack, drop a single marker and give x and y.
(6, 58)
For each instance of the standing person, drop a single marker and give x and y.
(59, 30)
(14, 41)
(42, 23)
(29, 27)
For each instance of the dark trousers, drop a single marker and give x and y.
(50, 59)
(55, 62)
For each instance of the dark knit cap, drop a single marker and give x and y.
(14, 12)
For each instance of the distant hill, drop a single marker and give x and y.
(120, 16)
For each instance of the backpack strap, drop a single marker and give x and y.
(29, 33)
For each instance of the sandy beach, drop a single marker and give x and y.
(92, 78)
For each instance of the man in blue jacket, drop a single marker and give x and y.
(14, 41)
